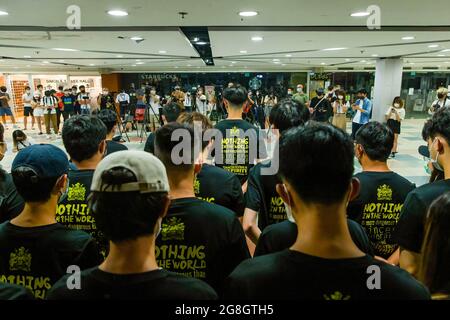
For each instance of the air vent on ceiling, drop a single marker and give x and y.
(369, 68)
(407, 68)
(430, 68)
(345, 68)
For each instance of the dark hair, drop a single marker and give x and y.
(399, 100)
(164, 146)
(82, 86)
(376, 139)
(426, 130)
(82, 136)
(330, 87)
(39, 86)
(435, 263)
(109, 118)
(440, 124)
(2, 133)
(18, 134)
(363, 91)
(74, 87)
(128, 216)
(171, 111)
(190, 118)
(27, 88)
(30, 186)
(3, 88)
(60, 88)
(288, 114)
(236, 95)
(317, 160)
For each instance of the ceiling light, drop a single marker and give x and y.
(162, 51)
(257, 38)
(441, 55)
(195, 39)
(189, 65)
(446, 50)
(117, 13)
(283, 65)
(363, 61)
(201, 43)
(119, 56)
(64, 49)
(276, 60)
(323, 63)
(91, 64)
(45, 62)
(408, 38)
(334, 49)
(347, 59)
(289, 55)
(411, 63)
(140, 62)
(27, 56)
(248, 13)
(28, 66)
(374, 55)
(133, 65)
(233, 61)
(137, 60)
(433, 46)
(137, 38)
(360, 14)
(3, 13)
(243, 51)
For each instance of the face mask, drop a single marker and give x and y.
(74, 91)
(435, 162)
(28, 91)
(299, 90)
(153, 92)
(397, 105)
(289, 92)
(82, 90)
(341, 97)
(66, 93)
(105, 92)
(288, 207)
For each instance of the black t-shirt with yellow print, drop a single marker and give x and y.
(293, 275)
(216, 185)
(262, 197)
(241, 146)
(73, 208)
(36, 257)
(201, 240)
(377, 208)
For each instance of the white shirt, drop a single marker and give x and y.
(81, 100)
(154, 102)
(188, 101)
(121, 97)
(357, 117)
(339, 107)
(401, 112)
(49, 103)
(441, 103)
(27, 98)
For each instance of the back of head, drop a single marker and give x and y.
(171, 111)
(317, 161)
(435, 263)
(129, 194)
(236, 95)
(36, 169)
(18, 135)
(109, 118)
(82, 136)
(175, 147)
(196, 119)
(440, 124)
(376, 139)
(288, 114)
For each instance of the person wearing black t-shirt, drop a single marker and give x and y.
(105, 100)
(129, 200)
(68, 102)
(229, 192)
(35, 250)
(382, 192)
(239, 144)
(11, 203)
(170, 113)
(263, 204)
(14, 292)
(320, 107)
(198, 239)
(410, 229)
(324, 263)
(109, 119)
(84, 139)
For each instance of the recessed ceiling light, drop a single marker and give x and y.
(360, 14)
(140, 62)
(195, 39)
(446, 50)
(257, 38)
(363, 61)
(374, 55)
(433, 46)
(117, 13)
(119, 56)
(447, 61)
(133, 65)
(3, 13)
(408, 38)
(162, 51)
(64, 49)
(243, 51)
(137, 60)
(189, 65)
(27, 56)
(248, 13)
(411, 63)
(276, 60)
(323, 63)
(334, 49)
(176, 67)
(233, 61)
(45, 62)
(441, 55)
(283, 64)
(347, 59)
(201, 43)
(136, 38)
(28, 66)
(91, 64)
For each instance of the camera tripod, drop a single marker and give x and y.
(147, 121)
(120, 124)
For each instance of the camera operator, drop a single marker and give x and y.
(188, 102)
(155, 103)
(84, 100)
(123, 100)
(178, 97)
(105, 100)
(442, 101)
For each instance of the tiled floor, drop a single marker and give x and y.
(408, 162)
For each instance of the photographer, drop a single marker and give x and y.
(84, 100)
(50, 104)
(178, 97)
(320, 107)
(105, 100)
(442, 101)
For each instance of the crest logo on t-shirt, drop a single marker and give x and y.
(196, 186)
(20, 260)
(336, 296)
(234, 131)
(384, 192)
(172, 229)
(77, 192)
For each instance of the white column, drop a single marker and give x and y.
(388, 84)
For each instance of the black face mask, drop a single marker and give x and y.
(441, 96)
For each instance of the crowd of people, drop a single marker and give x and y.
(207, 212)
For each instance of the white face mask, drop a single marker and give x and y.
(287, 206)
(435, 162)
(299, 90)
(340, 97)
(397, 105)
(153, 92)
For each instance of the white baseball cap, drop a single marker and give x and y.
(150, 172)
